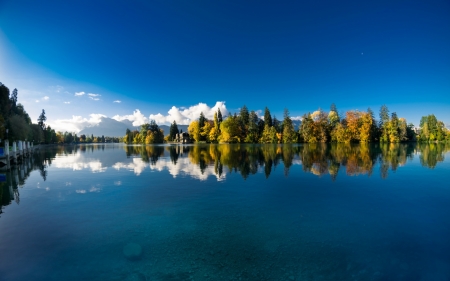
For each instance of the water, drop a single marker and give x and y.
(228, 212)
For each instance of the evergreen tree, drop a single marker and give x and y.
(201, 120)
(384, 122)
(14, 101)
(277, 125)
(219, 116)
(252, 132)
(42, 119)
(373, 130)
(244, 118)
(393, 128)
(289, 134)
(267, 117)
(173, 130)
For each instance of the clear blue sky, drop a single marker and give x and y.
(152, 55)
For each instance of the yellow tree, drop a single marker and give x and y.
(194, 130)
(353, 124)
(229, 130)
(365, 133)
(205, 130)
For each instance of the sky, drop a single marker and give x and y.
(169, 60)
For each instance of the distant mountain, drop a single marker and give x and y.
(109, 127)
(296, 123)
(166, 128)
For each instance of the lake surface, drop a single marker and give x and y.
(228, 212)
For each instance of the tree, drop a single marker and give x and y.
(205, 130)
(201, 120)
(194, 130)
(353, 124)
(365, 134)
(4, 102)
(277, 124)
(19, 129)
(229, 129)
(393, 128)
(252, 128)
(219, 116)
(244, 118)
(267, 117)
(289, 134)
(374, 130)
(306, 130)
(13, 100)
(333, 116)
(42, 119)
(384, 120)
(173, 130)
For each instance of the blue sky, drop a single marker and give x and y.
(155, 55)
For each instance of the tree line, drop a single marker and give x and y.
(16, 124)
(149, 133)
(316, 127)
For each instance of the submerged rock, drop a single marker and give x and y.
(132, 251)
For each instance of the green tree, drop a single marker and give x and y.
(253, 129)
(244, 118)
(289, 134)
(42, 119)
(173, 130)
(267, 117)
(384, 122)
(219, 116)
(19, 129)
(393, 128)
(13, 101)
(229, 130)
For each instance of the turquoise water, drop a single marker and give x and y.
(228, 212)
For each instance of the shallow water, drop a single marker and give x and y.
(228, 212)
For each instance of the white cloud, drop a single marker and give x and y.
(184, 116)
(137, 118)
(297, 118)
(117, 101)
(79, 94)
(77, 123)
(67, 102)
(36, 100)
(45, 98)
(94, 96)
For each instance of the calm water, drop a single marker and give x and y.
(228, 212)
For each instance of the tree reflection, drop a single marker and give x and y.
(316, 158)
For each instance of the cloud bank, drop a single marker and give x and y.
(184, 116)
(77, 123)
(181, 115)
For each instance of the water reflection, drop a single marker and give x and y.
(318, 159)
(13, 179)
(204, 161)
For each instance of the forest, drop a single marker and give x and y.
(318, 127)
(16, 124)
